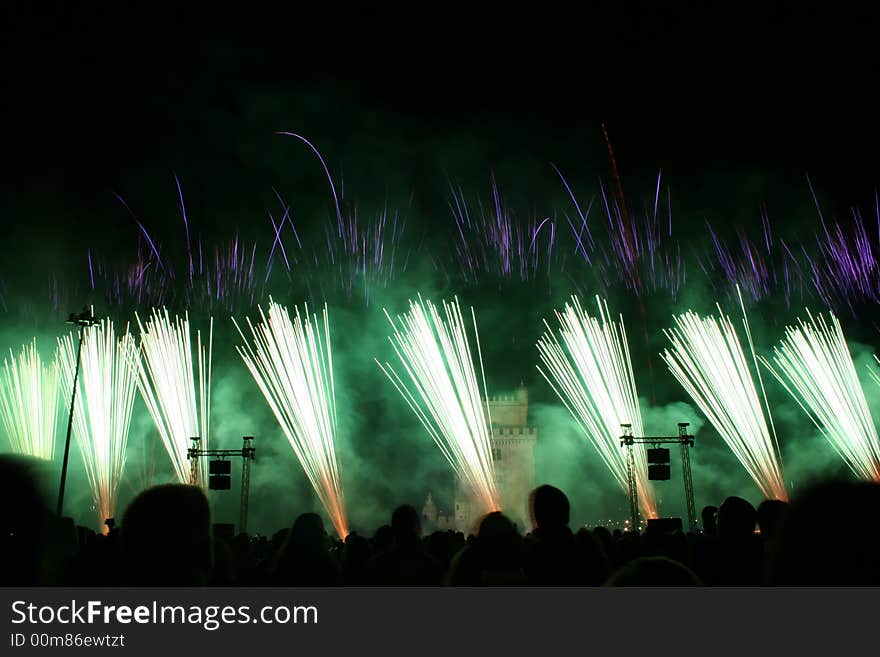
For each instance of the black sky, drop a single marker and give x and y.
(100, 98)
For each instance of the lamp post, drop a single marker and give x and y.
(83, 320)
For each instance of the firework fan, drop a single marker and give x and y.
(708, 360)
(29, 403)
(443, 391)
(814, 365)
(589, 367)
(102, 414)
(292, 363)
(176, 390)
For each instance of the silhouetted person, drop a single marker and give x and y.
(223, 573)
(736, 519)
(593, 556)
(166, 537)
(549, 507)
(654, 571)
(709, 515)
(244, 559)
(552, 554)
(629, 547)
(304, 557)
(665, 541)
(830, 537)
(740, 561)
(609, 545)
(493, 559)
(383, 539)
(770, 514)
(405, 562)
(442, 546)
(25, 524)
(704, 547)
(355, 557)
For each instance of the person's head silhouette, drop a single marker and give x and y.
(25, 520)
(166, 537)
(829, 538)
(497, 532)
(736, 519)
(709, 516)
(405, 521)
(307, 533)
(549, 507)
(770, 513)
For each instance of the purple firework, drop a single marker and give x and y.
(491, 240)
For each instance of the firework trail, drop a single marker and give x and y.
(278, 241)
(814, 365)
(758, 268)
(177, 393)
(708, 360)
(361, 254)
(358, 254)
(326, 172)
(29, 402)
(589, 367)
(224, 276)
(640, 254)
(846, 269)
(444, 393)
(495, 242)
(104, 402)
(292, 363)
(135, 284)
(229, 279)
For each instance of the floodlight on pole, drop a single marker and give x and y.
(83, 320)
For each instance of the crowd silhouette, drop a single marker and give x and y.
(826, 536)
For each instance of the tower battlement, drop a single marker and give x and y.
(509, 410)
(502, 431)
(519, 396)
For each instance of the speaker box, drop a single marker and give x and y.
(220, 467)
(658, 472)
(658, 455)
(219, 482)
(664, 526)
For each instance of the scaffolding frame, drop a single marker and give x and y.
(247, 454)
(686, 441)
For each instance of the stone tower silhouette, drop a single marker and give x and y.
(513, 453)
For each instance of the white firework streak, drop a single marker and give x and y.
(443, 392)
(177, 394)
(814, 365)
(293, 366)
(708, 360)
(104, 401)
(29, 402)
(589, 367)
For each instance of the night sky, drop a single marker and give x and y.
(735, 107)
(730, 104)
